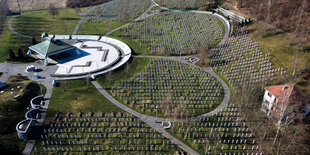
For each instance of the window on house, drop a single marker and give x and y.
(269, 94)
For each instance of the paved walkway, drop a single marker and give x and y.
(12, 29)
(147, 119)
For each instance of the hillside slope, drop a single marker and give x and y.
(35, 4)
(288, 15)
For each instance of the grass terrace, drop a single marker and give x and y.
(9, 40)
(177, 89)
(35, 22)
(100, 29)
(78, 96)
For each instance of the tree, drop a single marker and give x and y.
(11, 54)
(34, 41)
(77, 10)
(109, 76)
(52, 10)
(127, 68)
(203, 55)
(20, 54)
(98, 12)
(125, 15)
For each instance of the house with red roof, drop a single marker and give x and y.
(286, 103)
(276, 98)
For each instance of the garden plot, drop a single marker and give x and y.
(177, 3)
(241, 61)
(170, 88)
(224, 133)
(177, 33)
(100, 133)
(118, 10)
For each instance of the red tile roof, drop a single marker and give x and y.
(281, 91)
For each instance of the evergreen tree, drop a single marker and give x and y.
(11, 54)
(34, 41)
(20, 53)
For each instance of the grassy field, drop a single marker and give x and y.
(9, 40)
(281, 48)
(76, 96)
(135, 66)
(35, 22)
(98, 28)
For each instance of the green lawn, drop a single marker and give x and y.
(35, 22)
(137, 47)
(135, 67)
(100, 29)
(9, 40)
(75, 96)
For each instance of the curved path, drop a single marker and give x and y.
(12, 29)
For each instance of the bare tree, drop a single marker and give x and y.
(52, 10)
(109, 76)
(127, 67)
(125, 15)
(301, 14)
(203, 56)
(98, 12)
(4, 8)
(77, 10)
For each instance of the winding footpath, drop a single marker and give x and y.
(12, 29)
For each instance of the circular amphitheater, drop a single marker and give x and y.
(81, 55)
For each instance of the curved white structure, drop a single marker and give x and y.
(92, 56)
(85, 37)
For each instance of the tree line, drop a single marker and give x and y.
(84, 3)
(4, 8)
(288, 15)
